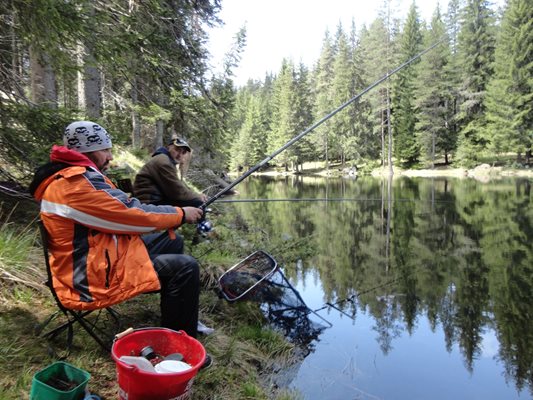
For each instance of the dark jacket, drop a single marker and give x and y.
(157, 182)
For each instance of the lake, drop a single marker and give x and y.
(422, 288)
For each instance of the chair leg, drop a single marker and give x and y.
(57, 330)
(93, 327)
(91, 331)
(98, 333)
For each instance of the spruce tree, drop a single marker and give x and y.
(341, 125)
(249, 147)
(432, 95)
(362, 143)
(303, 106)
(283, 125)
(476, 47)
(375, 52)
(406, 147)
(323, 95)
(453, 79)
(510, 92)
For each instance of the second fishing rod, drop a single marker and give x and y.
(313, 127)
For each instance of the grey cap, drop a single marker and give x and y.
(181, 143)
(86, 136)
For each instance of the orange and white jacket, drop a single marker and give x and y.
(97, 256)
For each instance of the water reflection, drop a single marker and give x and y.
(453, 254)
(286, 311)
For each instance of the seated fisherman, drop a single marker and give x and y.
(158, 183)
(100, 254)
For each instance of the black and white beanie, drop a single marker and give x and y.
(86, 136)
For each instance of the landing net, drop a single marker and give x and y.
(258, 278)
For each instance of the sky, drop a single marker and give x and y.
(294, 29)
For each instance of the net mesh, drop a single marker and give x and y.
(257, 278)
(241, 280)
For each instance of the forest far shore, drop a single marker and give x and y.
(482, 172)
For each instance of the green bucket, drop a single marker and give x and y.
(59, 381)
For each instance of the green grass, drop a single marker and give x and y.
(15, 244)
(18, 256)
(268, 341)
(243, 350)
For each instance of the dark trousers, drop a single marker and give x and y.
(180, 282)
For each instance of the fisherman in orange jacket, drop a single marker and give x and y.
(100, 250)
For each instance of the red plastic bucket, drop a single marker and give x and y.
(135, 384)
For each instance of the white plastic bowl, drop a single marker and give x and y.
(171, 366)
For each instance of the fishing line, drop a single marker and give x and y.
(315, 125)
(324, 199)
(355, 296)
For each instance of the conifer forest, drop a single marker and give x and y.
(142, 69)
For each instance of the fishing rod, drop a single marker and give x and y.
(314, 126)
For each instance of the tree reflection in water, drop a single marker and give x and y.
(458, 252)
(286, 311)
(258, 278)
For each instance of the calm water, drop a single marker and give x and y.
(438, 274)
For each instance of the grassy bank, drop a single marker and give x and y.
(244, 351)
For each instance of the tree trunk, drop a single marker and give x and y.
(383, 107)
(9, 57)
(382, 137)
(389, 129)
(135, 117)
(89, 84)
(388, 92)
(159, 132)
(327, 159)
(432, 149)
(43, 79)
(89, 80)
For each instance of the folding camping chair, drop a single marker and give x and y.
(94, 322)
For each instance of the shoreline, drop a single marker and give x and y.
(483, 172)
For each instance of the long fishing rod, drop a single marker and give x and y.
(314, 126)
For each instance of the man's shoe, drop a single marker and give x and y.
(201, 328)
(207, 362)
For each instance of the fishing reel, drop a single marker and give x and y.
(204, 227)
